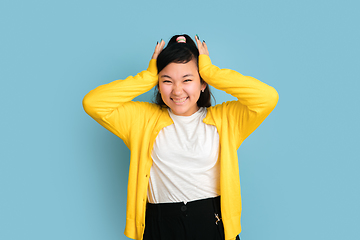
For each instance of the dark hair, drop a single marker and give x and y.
(176, 52)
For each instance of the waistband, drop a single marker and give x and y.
(180, 207)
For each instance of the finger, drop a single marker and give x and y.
(158, 48)
(162, 44)
(198, 43)
(156, 51)
(205, 46)
(201, 44)
(202, 47)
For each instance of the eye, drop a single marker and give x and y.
(166, 81)
(187, 80)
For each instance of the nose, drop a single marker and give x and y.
(177, 89)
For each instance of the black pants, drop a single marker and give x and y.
(196, 220)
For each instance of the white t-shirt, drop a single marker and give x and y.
(185, 161)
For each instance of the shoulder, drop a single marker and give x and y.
(225, 106)
(144, 106)
(139, 111)
(226, 111)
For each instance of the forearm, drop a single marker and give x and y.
(250, 92)
(104, 99)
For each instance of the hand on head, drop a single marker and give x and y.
(159, 47)
(201, 46)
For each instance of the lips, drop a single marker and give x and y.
(179, 100)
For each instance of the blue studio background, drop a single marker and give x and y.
(62, 176)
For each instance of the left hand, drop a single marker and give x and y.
(201, 46)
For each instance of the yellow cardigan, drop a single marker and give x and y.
(138, 124)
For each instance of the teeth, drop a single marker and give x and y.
(180, 100)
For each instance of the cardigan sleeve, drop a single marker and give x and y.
(255, 99)
(111, 104)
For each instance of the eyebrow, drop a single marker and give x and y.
(167, 76)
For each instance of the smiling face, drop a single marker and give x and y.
(180, 87)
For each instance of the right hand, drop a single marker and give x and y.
(159, 47)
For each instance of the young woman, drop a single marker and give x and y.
(184, 175)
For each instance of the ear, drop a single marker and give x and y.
(203, 86)
(158, 88)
